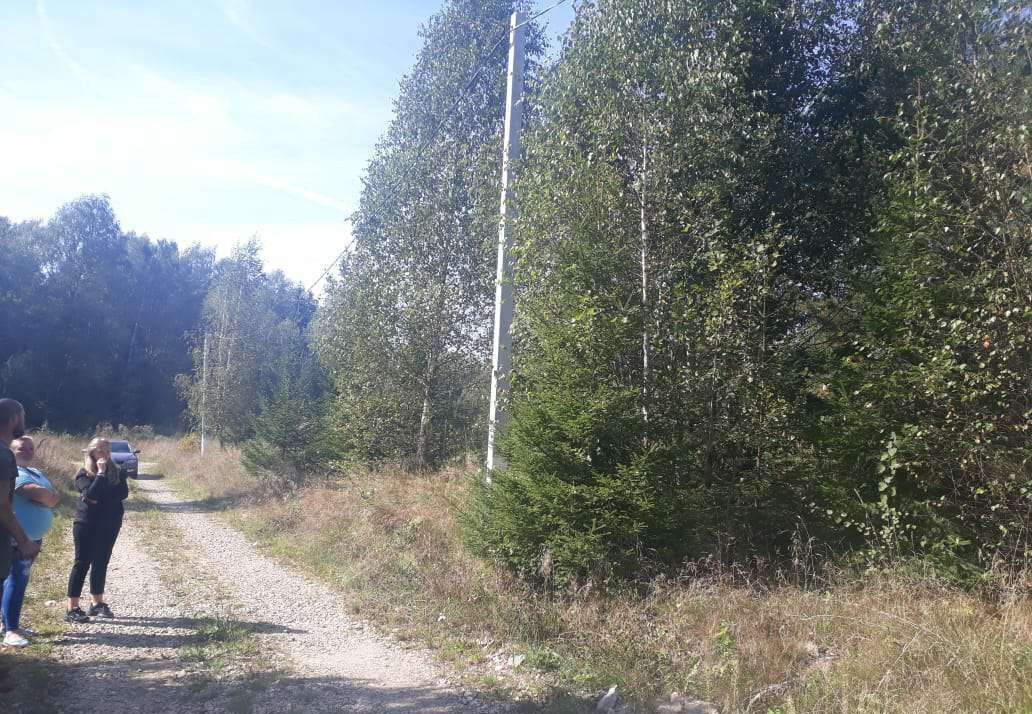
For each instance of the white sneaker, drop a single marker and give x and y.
(13, 639)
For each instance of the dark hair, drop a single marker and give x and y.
(10, 408)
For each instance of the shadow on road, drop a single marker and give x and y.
(212, 504)
(160, 636)
(149, 477)
(201, 505)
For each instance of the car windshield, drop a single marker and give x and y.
(119, 447)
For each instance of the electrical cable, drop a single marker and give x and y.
(478, 68)
(543, 12)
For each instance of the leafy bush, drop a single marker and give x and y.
(189, 443)
(661, 274)
(930, 379)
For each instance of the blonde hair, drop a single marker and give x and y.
(90, 461)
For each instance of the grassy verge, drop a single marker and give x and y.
(873, 643)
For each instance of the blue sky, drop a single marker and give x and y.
(205, 120)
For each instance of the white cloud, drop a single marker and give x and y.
(301, 250)
(177, 137)
(286, 187)
(167, 134)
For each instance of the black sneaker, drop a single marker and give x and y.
(102, 611)
(76, 615)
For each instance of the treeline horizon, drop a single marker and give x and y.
(101, 326)
(773, 282)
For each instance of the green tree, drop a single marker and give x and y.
(404, 333)
(290, 437)
(256, 329)
(95, 319)
(930, 376)
(670, 246)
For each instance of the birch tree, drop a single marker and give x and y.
(256, 328)
(405, 329)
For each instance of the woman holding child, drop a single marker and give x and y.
(98, 518)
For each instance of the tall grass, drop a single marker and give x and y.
(862, 642)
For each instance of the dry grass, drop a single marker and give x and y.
(878, 643)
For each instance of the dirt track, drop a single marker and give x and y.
(180, 579)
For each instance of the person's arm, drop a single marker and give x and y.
(39, 494)
(85, 485)
(97, 488)
(28, 548)
(82, 481)
(121, 491)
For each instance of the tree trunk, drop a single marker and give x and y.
(644, 285)
(436, 347)
(423, 438)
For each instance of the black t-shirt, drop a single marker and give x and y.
(8, 475)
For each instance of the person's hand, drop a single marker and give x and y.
(29, 549)
(101, 465)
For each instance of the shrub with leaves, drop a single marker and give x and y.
(932, 405)
(775, 267)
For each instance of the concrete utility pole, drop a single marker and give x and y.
(204, 396)
(502, 356)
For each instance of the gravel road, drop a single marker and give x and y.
(172, 572)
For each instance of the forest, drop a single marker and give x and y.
(773, 286)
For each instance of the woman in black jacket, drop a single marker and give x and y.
(98, 518)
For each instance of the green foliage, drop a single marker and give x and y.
(290, 441)
(254, 327)
(94, 318)
(403, 332)
(105, 327)
(651, 416)
(774, 271)
(929, 418)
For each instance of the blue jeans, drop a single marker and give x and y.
(14, 591)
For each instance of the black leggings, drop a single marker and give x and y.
(93, 545)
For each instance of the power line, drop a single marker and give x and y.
(478, 68)
(543, 12)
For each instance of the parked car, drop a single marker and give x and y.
(126, 457)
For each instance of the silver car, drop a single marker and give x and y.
(126, 457)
